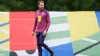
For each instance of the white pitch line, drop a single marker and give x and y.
(57, 14)
(5, 13)
(58, 42)
(5, 31)
(23, 53)
(81, 55)
(58, 27)
(90, 40)
(4, 48)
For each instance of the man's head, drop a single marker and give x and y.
(41, 4)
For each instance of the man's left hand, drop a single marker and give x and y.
(44, 33)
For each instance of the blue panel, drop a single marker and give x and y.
(61, 50)
(98, 17)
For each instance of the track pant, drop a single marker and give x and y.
(40, 43)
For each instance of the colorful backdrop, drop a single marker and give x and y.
(70, 34)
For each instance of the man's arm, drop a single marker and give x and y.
(48, 21)
(35, 23)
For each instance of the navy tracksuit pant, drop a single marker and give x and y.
(40, 43)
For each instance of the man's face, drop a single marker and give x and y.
(41, 5)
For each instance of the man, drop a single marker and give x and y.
(41, 26)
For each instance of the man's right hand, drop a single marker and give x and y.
(33, 33)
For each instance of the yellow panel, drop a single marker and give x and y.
(82, 24)
(3, 36)
(4, 17)
(5, 46)
(4, 30)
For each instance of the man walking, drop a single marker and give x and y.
(41, 26)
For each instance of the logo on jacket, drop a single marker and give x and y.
(39, 18)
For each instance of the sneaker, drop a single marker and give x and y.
(52, 54)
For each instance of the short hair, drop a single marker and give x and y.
(40, 1)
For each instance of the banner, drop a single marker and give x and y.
(69, 34)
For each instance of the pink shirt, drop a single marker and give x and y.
(42, 21)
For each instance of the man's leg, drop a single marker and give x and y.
(39, 50)
(44, 45)
(38, 44)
